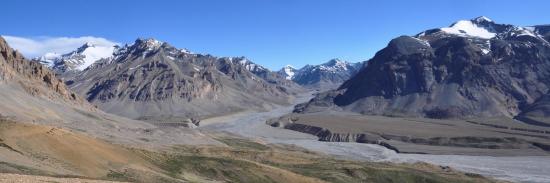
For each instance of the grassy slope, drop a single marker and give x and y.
(247, 161)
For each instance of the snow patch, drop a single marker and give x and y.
(289, 71)
(248, 65)
(185, 51)
(422, 34)
(335, 65)
(486, 47)
(526, 32)
(483, 19)
(152, 44)
(94, 53)
(49, 59)
(424, 42)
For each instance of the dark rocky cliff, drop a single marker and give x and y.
(441, 74)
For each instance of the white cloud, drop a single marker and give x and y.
(38, 46)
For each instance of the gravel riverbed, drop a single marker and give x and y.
(252, 125)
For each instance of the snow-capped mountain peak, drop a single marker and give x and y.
(471, 28)
(48, 59)
(86, 45)
(289, 72)
(483, 29)
(334, 65)
(89, 54)
(482, 19)
(249, 65)
(327, 75)
(77, 60)
(149, 43)
(142, 47)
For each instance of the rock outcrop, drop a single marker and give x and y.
(33, 77)
(396, 141)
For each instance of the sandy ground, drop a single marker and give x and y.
(62, 152)
(252, 125)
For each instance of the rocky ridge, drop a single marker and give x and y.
(33, 77)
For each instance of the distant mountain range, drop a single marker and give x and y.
(266, 74)
(473, 68)
(324, 76)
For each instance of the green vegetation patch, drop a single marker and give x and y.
(222, 169)
(248, 161)
(243, 144)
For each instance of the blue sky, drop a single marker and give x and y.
(273, 33)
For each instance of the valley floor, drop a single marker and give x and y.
(233, 148)
(37, 153)
(253, 125)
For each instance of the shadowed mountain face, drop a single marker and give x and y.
(537, 113)
(151, 79)
(474, 68)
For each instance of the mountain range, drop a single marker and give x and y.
(324, 76)
(153, 80)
